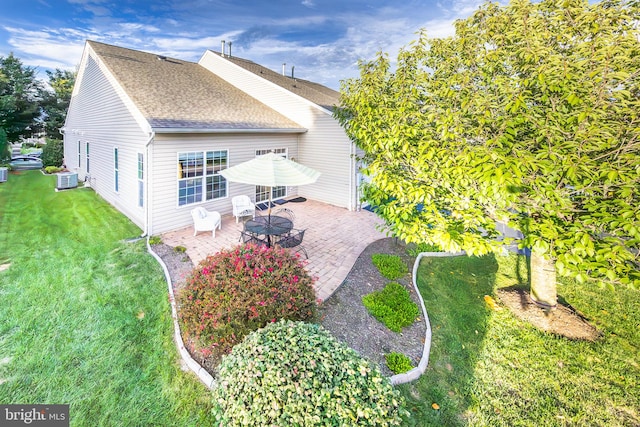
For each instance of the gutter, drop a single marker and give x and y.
(230, 130)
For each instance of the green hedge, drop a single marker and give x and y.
(297, 374)
(53, 153)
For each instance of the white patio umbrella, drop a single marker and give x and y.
(271, 170)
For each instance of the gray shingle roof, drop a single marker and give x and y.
(314, 92)
(177, 94)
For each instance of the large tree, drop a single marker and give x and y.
(56, 104)
(20, 96)
(529, 116)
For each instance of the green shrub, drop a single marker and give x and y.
(392, 306)
(52, 169)
(237, 291)
(297, 374)
(53, 153)
(155, 240)
(414, 250)
(398, 363)
(180, 249)
(390, 266)
(5, 148)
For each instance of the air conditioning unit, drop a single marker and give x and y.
(67, 180)
(4, 174)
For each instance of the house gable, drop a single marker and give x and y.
(181, 96)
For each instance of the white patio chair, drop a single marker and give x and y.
(242, 206)
(204, 220)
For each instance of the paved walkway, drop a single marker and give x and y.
(334, 239)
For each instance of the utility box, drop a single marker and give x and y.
(67, 180)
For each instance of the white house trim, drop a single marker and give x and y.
(230, 130)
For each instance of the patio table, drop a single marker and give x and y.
(269, 226)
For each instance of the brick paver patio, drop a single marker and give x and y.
(334, 239)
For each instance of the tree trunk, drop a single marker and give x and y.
(543, 281)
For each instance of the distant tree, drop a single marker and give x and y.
(5, 148)
(529, 115)
(56, 104)
(20, 96)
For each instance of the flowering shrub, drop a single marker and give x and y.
(297, 374)
(234, 292)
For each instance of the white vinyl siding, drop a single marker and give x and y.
(325, 147)
(167, 214)
(98, 113)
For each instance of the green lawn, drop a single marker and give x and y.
(84, 316)
(489, 369)
(84, 320)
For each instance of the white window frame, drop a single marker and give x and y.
(195, 175)
(87, 159)
(140, 174)
(116, 169)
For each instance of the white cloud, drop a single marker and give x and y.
(135, 27)
(60, 48)
(359, 35)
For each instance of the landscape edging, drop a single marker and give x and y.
(200, 372)
(397, 379)
(416, 372)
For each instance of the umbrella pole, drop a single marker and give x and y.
(269, 210)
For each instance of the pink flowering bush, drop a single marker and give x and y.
(237, 291)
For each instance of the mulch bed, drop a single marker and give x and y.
(343, 314)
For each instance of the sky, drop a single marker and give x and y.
(322, 39)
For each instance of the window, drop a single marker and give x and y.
(140, 180)
(216, 184)
(79, 154)
(87, 148)
(116, 183)
(199, 176)
(262, 193)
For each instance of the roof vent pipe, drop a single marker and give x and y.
(292, 68)
(284, 71)
(229, 49)
(222, 48)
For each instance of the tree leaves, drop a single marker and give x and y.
(528, 115)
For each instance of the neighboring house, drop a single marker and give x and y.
(151, 133)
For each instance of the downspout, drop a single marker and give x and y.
(146, 171)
